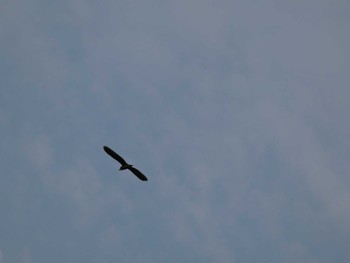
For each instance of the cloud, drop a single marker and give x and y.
(2, 117)
(25, 256)
(2, 260)
(237, 112)
(39, 152)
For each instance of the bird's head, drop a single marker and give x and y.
(124, 167)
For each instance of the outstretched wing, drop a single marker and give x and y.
(114, 155)
(140, 175)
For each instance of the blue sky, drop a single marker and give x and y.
(236, 111)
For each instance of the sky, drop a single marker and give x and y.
(236, 111)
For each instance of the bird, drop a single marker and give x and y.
(124, 164)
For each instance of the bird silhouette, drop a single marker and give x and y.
(124, 164)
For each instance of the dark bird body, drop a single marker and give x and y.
(124, 164)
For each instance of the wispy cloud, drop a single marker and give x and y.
(237, 113)
(1, 257)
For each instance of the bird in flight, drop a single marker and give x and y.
(124, 164)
